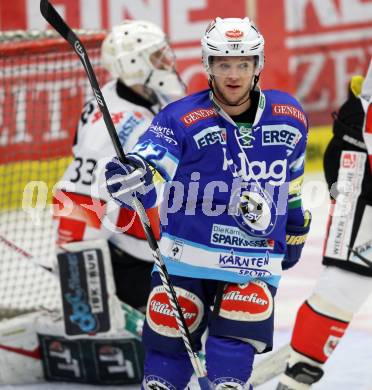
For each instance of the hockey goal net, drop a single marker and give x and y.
(43, 87)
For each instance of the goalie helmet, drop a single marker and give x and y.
(232, 37)
(138, 52)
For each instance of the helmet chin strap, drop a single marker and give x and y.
(152, 96)
(223, 101)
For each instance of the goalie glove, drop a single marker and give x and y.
(295, 238)
(128, 180)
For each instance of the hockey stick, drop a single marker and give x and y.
(359, 256)
(134, 319)
(55, 20)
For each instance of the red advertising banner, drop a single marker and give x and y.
(43, 88)
(314, 47)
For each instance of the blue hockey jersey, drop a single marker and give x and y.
(229, 192)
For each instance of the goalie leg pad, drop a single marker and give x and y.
(20, 358)
(95, 360)
(90, 305)
(224, 358)
(315, 333)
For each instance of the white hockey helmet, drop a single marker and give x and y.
(232, 37)
(138, 52)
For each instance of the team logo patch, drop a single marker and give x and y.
(255, 213)
(245, 137)
(154, 382)
(289, 110)
(330, 345)
(228, 383)
(195, 116)
(161, 318)
(247, 302)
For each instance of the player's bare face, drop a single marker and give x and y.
(232, 78)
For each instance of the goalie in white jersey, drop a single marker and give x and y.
(86, 219)
(138, 56)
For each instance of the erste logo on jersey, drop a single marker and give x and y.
(280, 135)
(210, 136)
(195, 116)
(129, 122)
(160, 315)
(289, 110)
(247, 302)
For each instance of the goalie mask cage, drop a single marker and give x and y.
(43, 87)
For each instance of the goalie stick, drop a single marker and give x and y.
(56, 21)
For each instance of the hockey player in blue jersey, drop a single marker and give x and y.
(225, 166)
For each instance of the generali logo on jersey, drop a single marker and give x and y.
(194, 116)
(289, 110)
(234, 34)
(247, 302)
(160, 315)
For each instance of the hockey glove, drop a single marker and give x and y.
(295, 237)
(129, 180)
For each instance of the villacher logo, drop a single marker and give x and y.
(247, 302)
(160, 315)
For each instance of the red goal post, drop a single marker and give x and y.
(43, 87)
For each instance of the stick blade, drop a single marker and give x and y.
(44, 8)
(54, 19)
